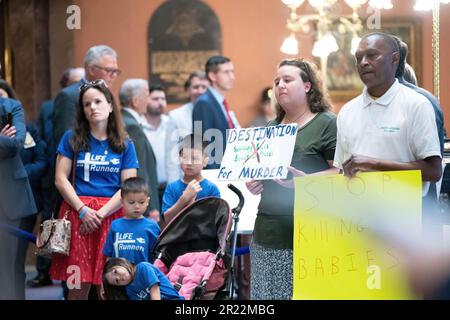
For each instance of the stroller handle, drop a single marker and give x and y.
(238, 192)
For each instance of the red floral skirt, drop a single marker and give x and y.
(86, 251)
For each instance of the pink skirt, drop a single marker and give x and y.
(85, 261)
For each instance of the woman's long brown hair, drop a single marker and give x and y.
(115, 129)
(113, 292)
(317, 97)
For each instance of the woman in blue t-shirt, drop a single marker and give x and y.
(104, 158)
(123, 280)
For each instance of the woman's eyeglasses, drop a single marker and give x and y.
(109, 71)
(99, 82)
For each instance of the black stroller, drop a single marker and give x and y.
(192, 249)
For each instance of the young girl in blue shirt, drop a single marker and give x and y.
(123, 280)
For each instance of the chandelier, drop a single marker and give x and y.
(327, 21)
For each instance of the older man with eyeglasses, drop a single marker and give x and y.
(100, 62)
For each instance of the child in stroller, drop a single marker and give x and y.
(192, 249)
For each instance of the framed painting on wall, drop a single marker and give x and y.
(341, 77)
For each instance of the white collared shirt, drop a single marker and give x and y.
(181, 118)
(157, 138)
(178, 126)
(398, 126)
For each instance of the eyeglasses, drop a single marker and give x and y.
(109, 71)
(99, 82)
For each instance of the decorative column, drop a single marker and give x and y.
(29, 44)
(436, 48)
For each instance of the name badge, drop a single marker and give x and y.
(390, 129)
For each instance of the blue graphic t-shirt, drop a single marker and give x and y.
(175, 190)
(147, 275)
(98, 171)
(132, 239)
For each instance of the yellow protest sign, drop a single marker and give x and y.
(336, 256)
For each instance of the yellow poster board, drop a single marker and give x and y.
(336, 253)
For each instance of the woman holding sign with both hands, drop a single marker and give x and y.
(300, 100)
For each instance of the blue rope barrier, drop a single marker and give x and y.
(17, 232)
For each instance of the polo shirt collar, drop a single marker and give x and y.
(385, 99)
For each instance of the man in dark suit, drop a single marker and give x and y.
(16, 197)
(100, 62)
(211, 111)
(69, 77)
(134, 96)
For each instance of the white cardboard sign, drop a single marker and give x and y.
(261, 153)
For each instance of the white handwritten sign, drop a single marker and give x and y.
(258, 153)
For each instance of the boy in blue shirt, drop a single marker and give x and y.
(183, 192)
(133, 237)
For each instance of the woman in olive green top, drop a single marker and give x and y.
(300, 99)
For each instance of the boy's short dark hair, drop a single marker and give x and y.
(134, 185)
(193, 141)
